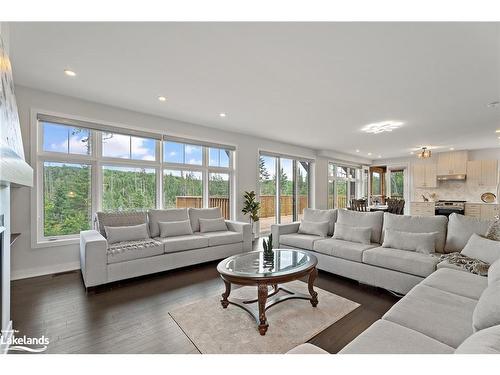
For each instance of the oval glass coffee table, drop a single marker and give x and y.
(267, 273)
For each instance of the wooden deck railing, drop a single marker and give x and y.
(197, 202)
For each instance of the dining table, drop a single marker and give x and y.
(378, 207)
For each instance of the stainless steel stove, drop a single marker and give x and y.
(447, 207)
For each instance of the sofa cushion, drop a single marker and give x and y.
(212, 225)
(130, 250)
(493, 232)
(301, 241)
(457, 282)
(352, 233)
(205, 213)
(183, 243)
(373, 220)
(487, 312)
(401, 260)
(418, 224)
(175, 228)
(386, 337)
(461, 228)
(444, 316)
(482, 248)
(312, 214)
(494, 272)
(222, 237)
(127, 233)
(486, 341)
(172, 214)
(317, 228)
(342, 249)
(118, 219)
(424, 243)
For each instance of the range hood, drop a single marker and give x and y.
(452, 177)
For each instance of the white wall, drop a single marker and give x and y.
(28, 261)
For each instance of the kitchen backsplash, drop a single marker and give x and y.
(454, 190)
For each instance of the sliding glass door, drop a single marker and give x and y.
(284, 190)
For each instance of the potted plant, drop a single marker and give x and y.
(251, 207)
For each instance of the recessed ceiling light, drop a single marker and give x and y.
(452, 148)
(222, 114)
(162, 98)
(411, 153)
(380, 156)
(357, 150)
(494, 104)
(380, 127)
(69, 72)
(369, 154)
(497, 131)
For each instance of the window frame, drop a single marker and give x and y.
(97, 161)
(333, 179)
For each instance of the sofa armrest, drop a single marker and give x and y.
(245, 228)
(279, 229)
(93, 258)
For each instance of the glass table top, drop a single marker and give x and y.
(255, 265)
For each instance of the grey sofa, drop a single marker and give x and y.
(103, 263)
(450, 311)
(392, 269)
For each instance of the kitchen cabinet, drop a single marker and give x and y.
(483, 211)
(424, 175)
(482, 173)
(452, 163)
(422, 208)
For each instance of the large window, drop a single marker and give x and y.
(284, 190)
(84, 168)
(344, 184)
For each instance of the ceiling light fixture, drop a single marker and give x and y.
(497, 131)
(369, 154)
(357, 150)
(425, 153)
(452, 148)
(162, 98)
(494, 104)
(222, 114)
(380, 127)
(380, 156)
(69, 73)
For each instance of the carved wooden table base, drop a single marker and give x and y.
(267, 296)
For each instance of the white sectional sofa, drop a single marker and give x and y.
(389, 268)
(102, 262)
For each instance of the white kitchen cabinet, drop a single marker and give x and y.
(422, 208)
(483, 211)
(424, 175)
(482, 173)
(452, 163)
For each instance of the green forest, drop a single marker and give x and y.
(268, 183)
(67, 193)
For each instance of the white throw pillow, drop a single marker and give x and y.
(487, 311)
(313, 214)
(424, 243)
(494, 272)
(126, 233)
(319, 228)
(352, 233)
(212, 225)
(175, 228)
(486, 341)
(482, 248)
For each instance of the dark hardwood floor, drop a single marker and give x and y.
(132, 316)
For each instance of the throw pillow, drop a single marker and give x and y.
(212, 225)
(175, 228)
(494, 272)
(374, 220)
(319, 228)
(424, 243)
(126, 233)
(482, 248)
(460, 228)
(352, 233)
(486, 341)
(486, 314)
(493, 232)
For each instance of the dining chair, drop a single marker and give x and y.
(359, 205)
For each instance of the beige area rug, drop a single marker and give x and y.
(214, 330)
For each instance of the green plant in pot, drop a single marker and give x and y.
(268, 247)
(251, 207)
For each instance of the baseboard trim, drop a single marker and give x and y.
(42, 271)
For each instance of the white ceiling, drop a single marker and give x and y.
(309, 84)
